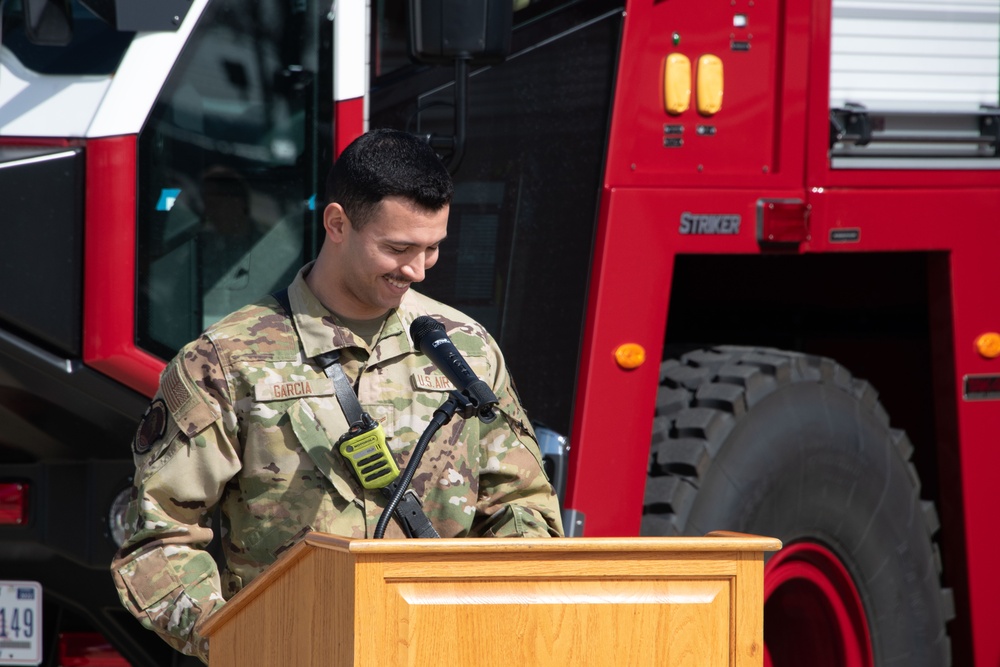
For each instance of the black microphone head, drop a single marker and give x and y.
(422, 326)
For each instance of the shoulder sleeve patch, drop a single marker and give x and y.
(190, 408)
(175, 390)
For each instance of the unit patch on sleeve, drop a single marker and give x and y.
(151, 428)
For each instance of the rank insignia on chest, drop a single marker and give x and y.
(270, 390)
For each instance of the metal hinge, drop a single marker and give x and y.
(851, 125)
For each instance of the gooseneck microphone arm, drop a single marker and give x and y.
(440, 417)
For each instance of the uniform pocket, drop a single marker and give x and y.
(149, 578)
(315, 424)
(161, 596)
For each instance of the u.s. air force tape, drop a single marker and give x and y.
(151, 428)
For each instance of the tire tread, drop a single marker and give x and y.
(702, 398)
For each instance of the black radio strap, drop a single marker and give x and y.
(409, 511)
(329, 362)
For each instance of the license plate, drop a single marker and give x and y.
(20, 623)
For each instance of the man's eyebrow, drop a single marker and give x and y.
(412, 244)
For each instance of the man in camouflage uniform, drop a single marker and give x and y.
(246, 420)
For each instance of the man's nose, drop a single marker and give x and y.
(414, 269)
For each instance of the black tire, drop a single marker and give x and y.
(791, 446)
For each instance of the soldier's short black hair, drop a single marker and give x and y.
(387, 163)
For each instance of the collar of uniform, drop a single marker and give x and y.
(315, 325)
(320, 333)
(395, 338)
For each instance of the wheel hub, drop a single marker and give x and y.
(813, 613)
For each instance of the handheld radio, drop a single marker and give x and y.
(364, 448)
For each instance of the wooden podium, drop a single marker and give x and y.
(601, 602)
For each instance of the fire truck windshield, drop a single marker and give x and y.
(96, 47)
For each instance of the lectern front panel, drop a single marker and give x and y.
(586, 623)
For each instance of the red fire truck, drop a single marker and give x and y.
(737, 253)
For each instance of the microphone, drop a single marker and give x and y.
(430, 338)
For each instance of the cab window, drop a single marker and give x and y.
(228, 169)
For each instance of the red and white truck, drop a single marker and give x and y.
(740, 255)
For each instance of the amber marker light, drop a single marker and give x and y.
(630, 355)
(709, 84)
(988, 345)
(677, 84)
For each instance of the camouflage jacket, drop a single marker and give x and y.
(245, 420)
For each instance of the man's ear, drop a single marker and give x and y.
(335, 222)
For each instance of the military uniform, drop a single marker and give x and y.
(246, 420)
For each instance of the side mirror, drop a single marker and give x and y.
(442, 31)
(48, 22)
(459, 32)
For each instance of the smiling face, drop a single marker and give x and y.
(362, 274)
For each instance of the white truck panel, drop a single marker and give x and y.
(40, 105)
(36, 105)
(916, 55)
(350, 49)
(140, 77)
